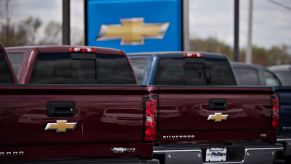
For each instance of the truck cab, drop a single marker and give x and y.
(256, 75)
(283, 72)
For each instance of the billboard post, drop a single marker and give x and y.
(66, 31)
(236, 30)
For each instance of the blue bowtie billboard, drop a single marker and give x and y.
(134, 25)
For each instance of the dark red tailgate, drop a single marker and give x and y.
(184, 113)
(106, 117)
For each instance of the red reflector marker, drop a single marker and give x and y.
(193, 55)
(71, 49)
(84, 50)
(275, 112)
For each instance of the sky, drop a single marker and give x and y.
(271, 23)
(207, 18)
(50, 10)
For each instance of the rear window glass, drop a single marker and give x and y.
(78, 68)
(5, 75)
(284, 76)
(17, 60)
(270, 79)
(179, 71)
(247, 76)
(140, 67)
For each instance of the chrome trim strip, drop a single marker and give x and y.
(221, 162)
(238, 162)
(171, 151)
(246, 149)
(283, 139)
(269, 148)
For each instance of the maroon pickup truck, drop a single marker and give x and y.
(202, 115)
(100, 115)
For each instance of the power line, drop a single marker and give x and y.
(280, 4)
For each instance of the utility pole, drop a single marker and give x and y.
(185, 25)
(7, 23)
(236, 30)
(66, 23)
(249, 54)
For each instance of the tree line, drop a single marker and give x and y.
(275, 55)
(26, 32)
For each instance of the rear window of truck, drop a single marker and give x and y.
(17, 61)
(284, 76)
(178, 71)
(140, 67)
(5, 74)
(247, 76)
(81, 68)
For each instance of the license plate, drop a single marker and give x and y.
(215, 155)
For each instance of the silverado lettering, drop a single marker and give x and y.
(181, 137)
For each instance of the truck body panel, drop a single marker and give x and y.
(190, 108)
(24, 116)
(284, 94)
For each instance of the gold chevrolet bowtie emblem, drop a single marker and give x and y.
(217, 117)
(61, 126)
(133, 31)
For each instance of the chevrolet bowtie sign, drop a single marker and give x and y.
(217, 117)
(133, 31)
(135, 25)
(61, 126)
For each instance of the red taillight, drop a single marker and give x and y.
(150, 119)
(84, 50)
(275, 112)
(193, 55)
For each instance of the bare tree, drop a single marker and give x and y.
(5, 6)
(52, 34)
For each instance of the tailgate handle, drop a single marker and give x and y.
(217, 104)
(61, 109)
